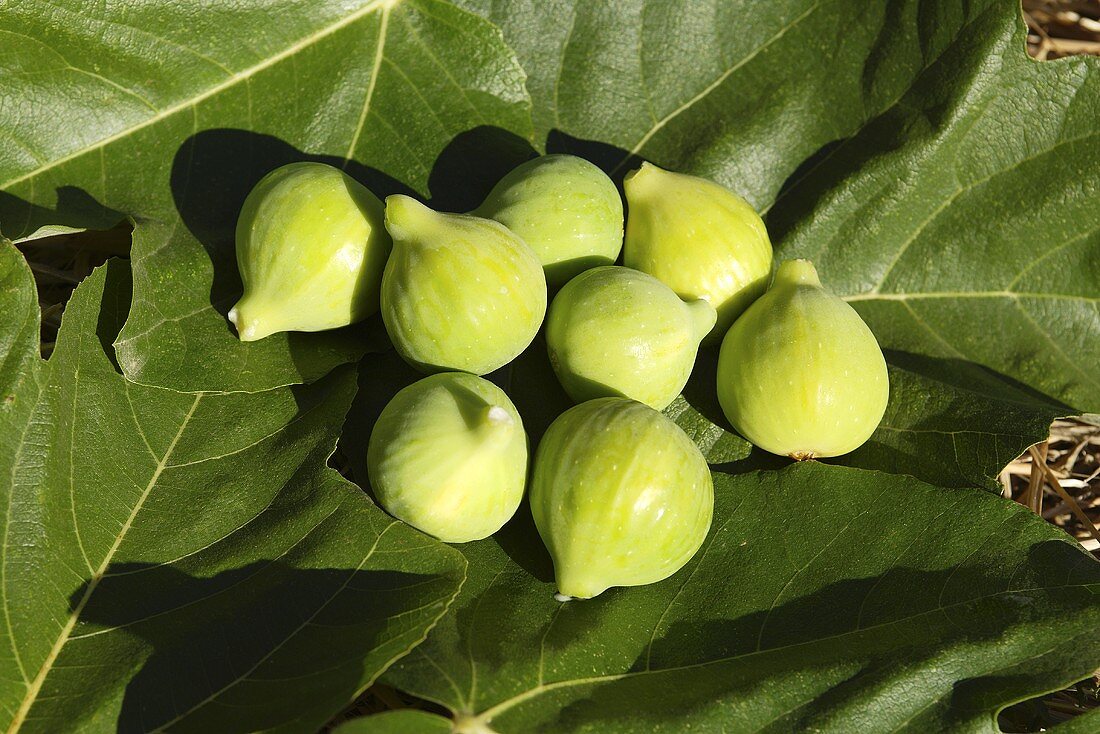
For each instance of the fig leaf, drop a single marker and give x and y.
(134, 116)
(885, 603)
(153, 576)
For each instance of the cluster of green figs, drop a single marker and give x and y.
(620, 495)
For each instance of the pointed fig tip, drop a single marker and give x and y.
(796, 272)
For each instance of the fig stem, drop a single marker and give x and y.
(703, 316)
(497, 416)
(636, 179)
(797, 272)
(405, 217)
(496, 424)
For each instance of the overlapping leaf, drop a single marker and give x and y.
(962, 223)
(740, 91)
(941, 181)
(957, 212)
(186, 560)
(824, 599)
(171, 114)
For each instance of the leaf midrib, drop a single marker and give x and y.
(66, 631)
(221, 86)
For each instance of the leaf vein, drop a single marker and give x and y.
(63, 637)
(227, 83)
(714, 84)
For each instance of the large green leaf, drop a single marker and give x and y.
(957, 211)
(170, 115)
(741, 91)
(825, 599)
(187, 560)
(18, 328)
(963, 222)
(942, 182)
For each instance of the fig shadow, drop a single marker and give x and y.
(214, 170)
(212, 173)
(75, 208)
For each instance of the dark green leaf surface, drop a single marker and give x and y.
(958, 211)
(170, 113)
(405, 721)
(742, 92)
(825, 599)
(953, 423)
(187, 560)
(963, 222)
(18, 327)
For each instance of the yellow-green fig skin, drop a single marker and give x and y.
(448, 455)
(799, 373)
(620, 496)
(565, 208)
(698, 237)
(613, 331)
(311, 246)
(459, 292)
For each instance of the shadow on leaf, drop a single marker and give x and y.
(381, 376)
(243, 649)
(520, 540)
(615, 161)
(533, 387)
(974, 377)
(212, 174)
(842, 647)
(471, 164)
(75, 208)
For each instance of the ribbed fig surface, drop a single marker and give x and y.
(799, 373)
(698, 237)
(620, 495)
(459, 292)
(448, 455)
(565, 208)
(311, 247)
(614, 331)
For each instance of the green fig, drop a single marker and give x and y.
(613, 331)
(565, 208)
(459, 292)
(800, 374)
(448, 455)
(620, 496)
(700, 238)
(311, 246)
